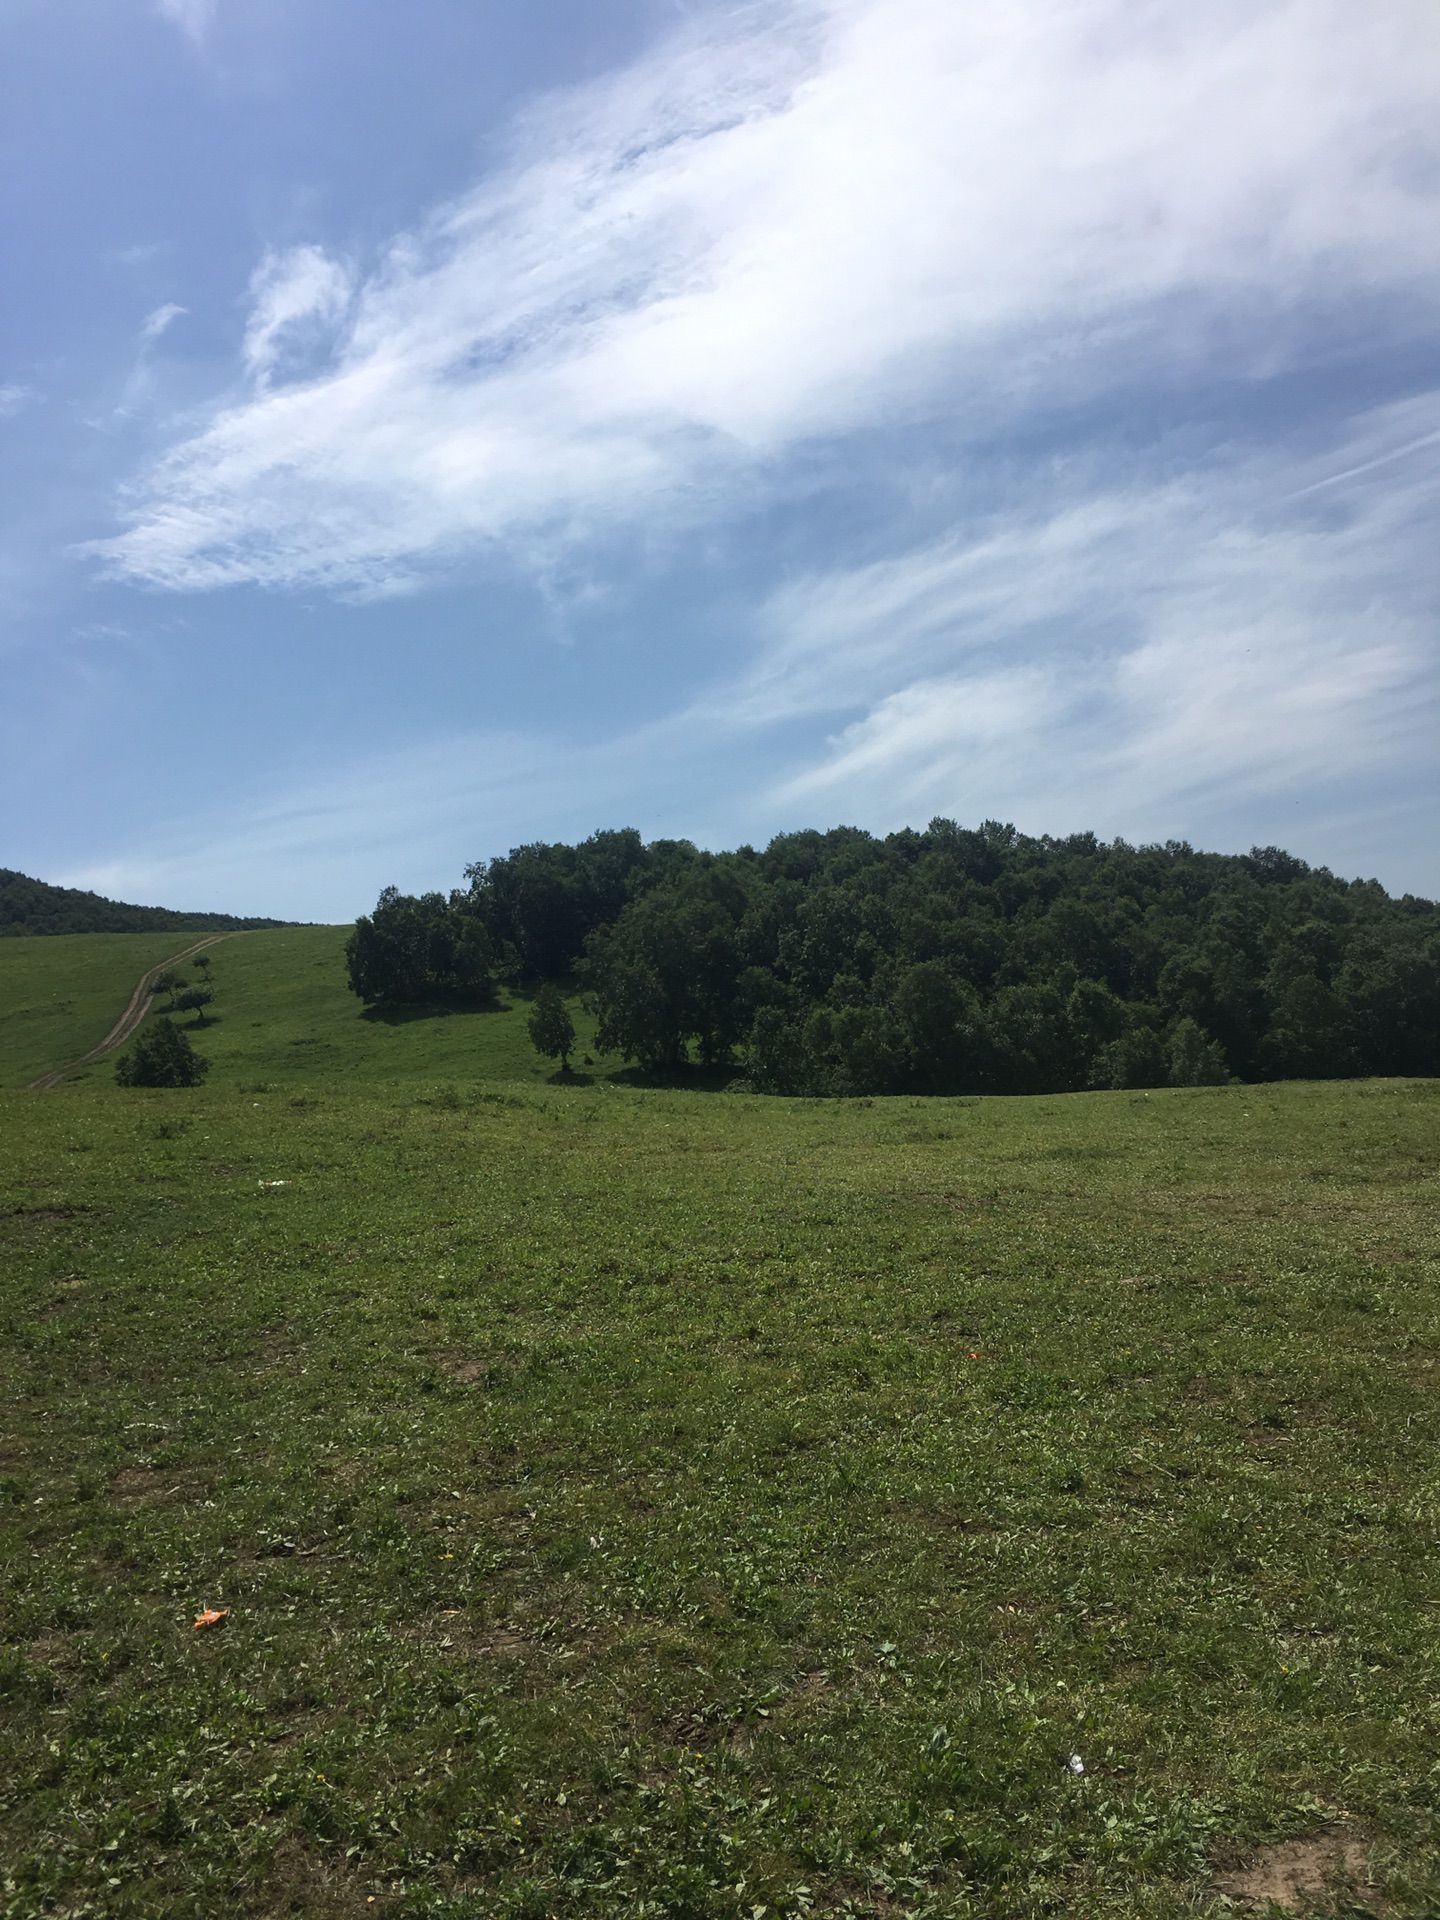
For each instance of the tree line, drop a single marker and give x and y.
(34, 906)
(953, 960)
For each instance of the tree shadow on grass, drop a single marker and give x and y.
(684, 1079)
(402, 1016)
(571, 1079)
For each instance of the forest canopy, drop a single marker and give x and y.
(953, 960)
(33, 906)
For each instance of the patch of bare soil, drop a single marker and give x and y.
(470, 1372)
(452, 1628)
(22, 1216)
(133, 1484)
(299, 1882)
(475, 1369)
(498, 1640)
(700, 1732)
(1303, 1876)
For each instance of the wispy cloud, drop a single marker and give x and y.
(325, 843)
(14, 398)
(139, 255)
(139, 387)
(293, 295)
(1220, 657)
(792, 222)
(194, 18)
(159, 322)
(1128, 656)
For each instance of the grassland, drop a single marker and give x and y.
(282, 1012)
(59, 994)
(692, 1505)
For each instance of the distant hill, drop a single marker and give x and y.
(958, 960)
(33, 906)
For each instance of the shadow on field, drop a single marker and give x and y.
(689, 1079)
(390, 1016)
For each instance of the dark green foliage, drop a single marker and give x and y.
(1136, 1059)
(162, 1056)
(34, 906)
(963, 960)
(1193, 1059)
(665, 975)
(416, 949)
(540, 902)
(552, 1031)
(194, 1000)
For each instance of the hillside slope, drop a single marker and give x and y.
(58, 997)
(282, 1013)
(29, 906)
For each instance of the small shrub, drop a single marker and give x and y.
(161, 1057)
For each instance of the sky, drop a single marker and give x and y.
(429, 429)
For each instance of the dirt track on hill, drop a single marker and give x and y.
(136, 1009)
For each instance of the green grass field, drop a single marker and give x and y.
(282, 1012)
(60, 994)
(692, 1505)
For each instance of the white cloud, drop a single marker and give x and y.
(1229, 658)
(159, 322)
(194, 18)
(934, 728)
(796, 221)
(139, 389)
(139, 255)
(1127, 658)
(293, 295)
(14, 398)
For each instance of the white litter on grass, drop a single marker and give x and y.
(272, 1183)
(1076, 1764)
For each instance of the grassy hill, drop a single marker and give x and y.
(58, 997)
(29, 907)
(282, 1012)
(649, 1503)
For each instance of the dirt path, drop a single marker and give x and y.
(136, 1009)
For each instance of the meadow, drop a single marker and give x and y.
(657, 1503)
(60, 995)
(282, 1011)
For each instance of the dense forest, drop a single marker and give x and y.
(34, 906)
(950, 961)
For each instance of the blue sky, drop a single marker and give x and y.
(430, 428)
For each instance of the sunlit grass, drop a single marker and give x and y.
(653, 1503)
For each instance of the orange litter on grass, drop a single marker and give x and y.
(211, 1617)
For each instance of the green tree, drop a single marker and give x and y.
(194, 1000)
(943, 1029)
(1312, 1034)
(169, 982)
(552, 1031)
(202, 961)
(665, 974)
(947, 960)
(776, 1055)
(420, 948)
(1194, 1059)
(161, 1057)
(1136, 1059)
